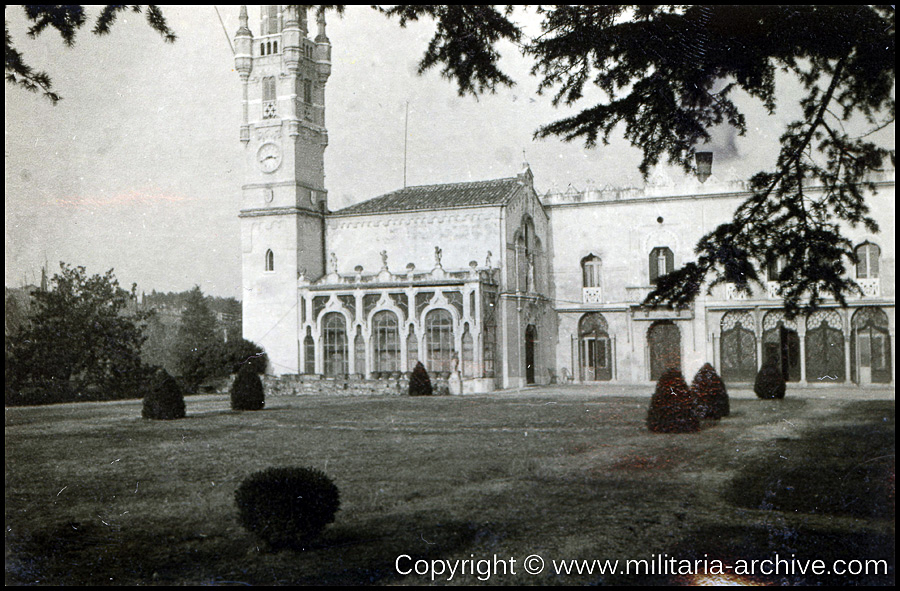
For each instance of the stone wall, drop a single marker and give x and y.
(306, 385)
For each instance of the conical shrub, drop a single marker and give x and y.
(247, 390)
(419, 382)
(710, 393)
(672, 407)
(164, 399)
(770, 381)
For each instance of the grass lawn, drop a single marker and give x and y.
(97, 495)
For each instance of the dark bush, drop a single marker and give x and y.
(770, 381)
(709, 391)
(287, 507)
(247, 390)
(419, 382)
(164, 399)
(672, 408)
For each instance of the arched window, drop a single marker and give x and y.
(662, 262)
(774, 268)
(870, 347)
(269, 109)
(868, 255)
(439, 340)
(275, 47)
(307, 91)
(309, 354)
(738, 346)
(270, 260)
(359, 353)
(825, 347)
(468, 354)
(386, 334)
(664, 342)
(781, 342)
(334, 345)
(262, 49)
(271, 13)
(590, 271)
(412, 349)
(594, 348)
(526, 256)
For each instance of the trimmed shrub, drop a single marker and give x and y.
(247, 390)
(770, 381)
(672, 407)
(164, 399)
(419, 382)
(287, 507)
(709, 391)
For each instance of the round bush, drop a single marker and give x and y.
(287, 507)
(770, 380)
(419, 382)
(247, 390)
(672, 407)
(710, 393)
(164, 399)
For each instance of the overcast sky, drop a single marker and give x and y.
(136, 168)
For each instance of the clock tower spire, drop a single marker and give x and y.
(283, 199)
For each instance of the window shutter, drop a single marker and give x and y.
(654, 266)
(670, 261)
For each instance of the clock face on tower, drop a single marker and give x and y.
(268, 157)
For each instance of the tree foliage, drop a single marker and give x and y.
(667, 75)
(197, 333)
(67, 20)
(83, 329)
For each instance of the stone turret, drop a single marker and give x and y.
(243, 63)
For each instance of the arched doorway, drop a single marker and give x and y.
(738, 346)
(870, 347)
(781, 342)
(595, 357)
(664, 342)
(825, 347)
(530, 340)
(334, 345)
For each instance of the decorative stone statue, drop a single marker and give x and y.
(437, 256)
(487, 261)
(334, 264)
(384, 259)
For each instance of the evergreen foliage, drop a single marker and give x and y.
(164, 399)
(419, 382)
(247, 390)
(672, 407)
(67, 20)
(196, 335)
(669, 74)
(709, 391)
(770, 382)
(287, 507)
(82, 341)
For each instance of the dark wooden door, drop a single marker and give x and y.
(530, 339)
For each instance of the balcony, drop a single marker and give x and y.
(871, 288)
(591, 295)
(732, 293)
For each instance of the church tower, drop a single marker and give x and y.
(283, 204)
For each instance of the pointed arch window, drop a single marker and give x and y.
(590, 271)
(868, 256)
(439, 340)
(268, 90)
(386, 334)
(270, 260)
(662, 262)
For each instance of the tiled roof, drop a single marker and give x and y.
(495, 192)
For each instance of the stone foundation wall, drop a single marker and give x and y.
(306, 385)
